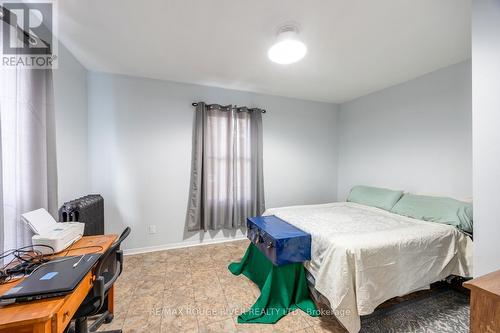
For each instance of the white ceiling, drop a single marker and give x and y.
(354, 46)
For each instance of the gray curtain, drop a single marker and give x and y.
(227, 184)
(28, 174)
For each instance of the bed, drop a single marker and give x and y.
(363, 255)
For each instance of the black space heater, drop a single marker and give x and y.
(89, 210)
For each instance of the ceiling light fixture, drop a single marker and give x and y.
(288, 48)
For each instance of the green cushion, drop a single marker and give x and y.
(436, 209)
(374, 196)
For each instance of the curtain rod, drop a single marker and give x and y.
(261, 110)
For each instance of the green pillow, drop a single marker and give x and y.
(436, 209)
(374, 196)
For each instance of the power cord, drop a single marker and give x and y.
(24, 261)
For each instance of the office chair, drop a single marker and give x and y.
(109, 267)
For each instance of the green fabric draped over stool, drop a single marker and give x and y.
(283, 288)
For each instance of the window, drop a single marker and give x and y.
(227, 179)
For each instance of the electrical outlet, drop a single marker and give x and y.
(152, 229)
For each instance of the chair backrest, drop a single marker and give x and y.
(110, 265)
(123, 235)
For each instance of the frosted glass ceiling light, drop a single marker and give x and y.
(288, 48)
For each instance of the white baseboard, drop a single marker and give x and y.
(163, 247)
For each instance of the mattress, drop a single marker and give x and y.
(362, 256)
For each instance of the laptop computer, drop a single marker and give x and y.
(58, 277)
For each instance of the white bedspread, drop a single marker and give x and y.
(363, 256)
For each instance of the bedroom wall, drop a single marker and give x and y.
(416, 136)
(140, 133)
(70, 93)
(486, 133)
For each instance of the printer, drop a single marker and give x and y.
(58, 235)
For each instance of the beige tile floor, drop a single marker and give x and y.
(191, 290)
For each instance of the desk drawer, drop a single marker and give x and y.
(71, 303)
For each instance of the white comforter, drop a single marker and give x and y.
(363, 256)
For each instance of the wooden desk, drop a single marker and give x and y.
(485, 303)
(53, 314)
